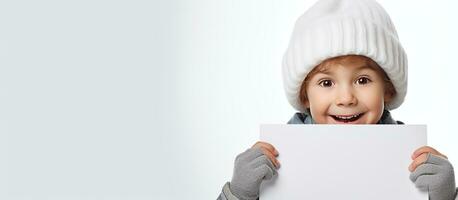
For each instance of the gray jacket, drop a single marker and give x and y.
(305, 118)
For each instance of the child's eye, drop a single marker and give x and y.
(325, 83)
(363, 80)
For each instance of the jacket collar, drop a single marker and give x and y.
(306, 118)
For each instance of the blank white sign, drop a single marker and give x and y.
(354, 162)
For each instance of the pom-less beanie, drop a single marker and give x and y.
(332, 28)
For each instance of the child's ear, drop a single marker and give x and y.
(388, 97)
(306, 104)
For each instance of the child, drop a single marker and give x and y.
(344, 65)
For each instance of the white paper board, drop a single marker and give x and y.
(354, 162)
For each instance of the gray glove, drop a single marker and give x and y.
(250, 169)
(435, 176)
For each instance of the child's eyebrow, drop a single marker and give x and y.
(364, 67)
(359, 68)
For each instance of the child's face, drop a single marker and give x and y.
(347, 92)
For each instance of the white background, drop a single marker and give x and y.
(154, 99)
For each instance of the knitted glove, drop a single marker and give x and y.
(435, 176)
(250, 169)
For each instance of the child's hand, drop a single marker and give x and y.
(268, 150)
(252, 167)
(421, 154)
(432, 172)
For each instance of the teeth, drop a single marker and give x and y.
(347, 117)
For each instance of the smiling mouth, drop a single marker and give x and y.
(347, 118)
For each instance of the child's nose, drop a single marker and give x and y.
(346, 97)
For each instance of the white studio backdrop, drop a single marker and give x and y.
(154, 99)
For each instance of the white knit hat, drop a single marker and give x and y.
(332, 28)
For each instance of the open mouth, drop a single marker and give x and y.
(347, 118)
